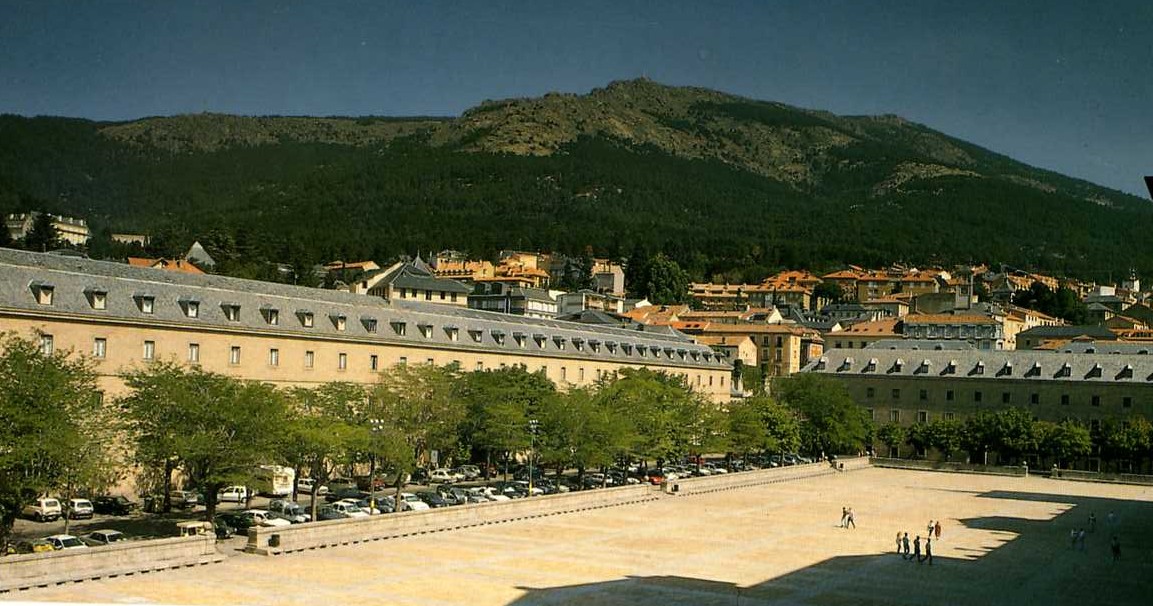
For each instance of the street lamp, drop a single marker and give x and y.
(532, 425)
(375, 427)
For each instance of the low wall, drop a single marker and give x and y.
(131, 557)
(1094, 476)
(926, 465)
(272, 541)
(730, 481)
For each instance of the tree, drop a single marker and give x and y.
(1063, 441)
(830, 421)
(320, 433)
(43, 236)
(666, 414)
(1128, 439)
(667, 284)
(500, 404)
(580, 429)
(49, 438)
(829, 292)
(945, 435)
(761, 424)
(215, 428)
(422, 403)
(578, 273)
(892, 436)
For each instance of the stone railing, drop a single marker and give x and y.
(271, 541)
(730, 481)
(1095, 476)
(927, 465)
(130, 557)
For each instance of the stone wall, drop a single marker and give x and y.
(730, 481)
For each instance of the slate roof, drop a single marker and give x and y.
(364, 318)
(414, 274)
(1067, 332)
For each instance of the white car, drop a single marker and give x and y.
(77, 509)
(487, 493)
(65, 541)
(304, 486)
(265, 518)
(232, 494)
(348, 510)
(44, 509)
(444, 475)
(411, 502)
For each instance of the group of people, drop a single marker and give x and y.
(1077, 535)
(847, 518)
(933, 531)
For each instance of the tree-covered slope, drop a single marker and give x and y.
(731, 188)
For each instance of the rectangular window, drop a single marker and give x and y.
(949, 395)
(949, 416)
(192, 309)
(47, 345)
(99, 347)
(977, 396)
(403, 361)
(274, 316)
(341, 323)
(452, 297)
(342, 361)
(1006, 397)
(872, 414)
(563, 373)
(309, 359)
(442, 295)
(147, 304)
(274, 357)
(1064, 399)
(306, 319)
(234, 355)
(45, 294)
(99, 300)
(894, 416)
(479, 366)
(232, 313)
(1034, 398)
(1095, 400)
(1126, 402)
(922, 416)
(923, 395)
(370, 325)
(149, 350)
(194, 353)
(430, 361)
(374, 362)
(896, 394)
(428, 295)
(870, 392)
(581, 374)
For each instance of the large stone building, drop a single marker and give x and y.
(125, 317)
(69, 229)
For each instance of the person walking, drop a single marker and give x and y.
(928, 551)
(937, 530)
(844, 516)
(905, 544)
(898, 542)
(849, 519)
(929, 530)
(1081, 539)
(916, 549)
(1092, 521)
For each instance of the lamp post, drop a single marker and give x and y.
(375, 427)
(532, 425)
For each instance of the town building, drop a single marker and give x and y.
(412, 281)
(512, 296)
(69, 229)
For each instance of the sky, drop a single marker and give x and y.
(1058, 84)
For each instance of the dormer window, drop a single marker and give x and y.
(979, 369)
(497, 336)
(642, 350)
(425, 329)
(578, 343)
(339, 321)
(1126, 373)
(1066, 370)
(627, 348)
(540, 340)
(559, 342)
(97, 298)
(452, 331)
(1094, 372)
(231, 311)
(476, 335)
(871, 366)
(307, 319)
(822, 362)
(369, 324)
(611, 346)
(191, 307)
(44, 292)
(271, 315)
(146, 303)
(398, 327)
(520, 338)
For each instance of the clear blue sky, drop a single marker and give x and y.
(1059, 84)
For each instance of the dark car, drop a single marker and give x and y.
(326, 512)
(345, 493)
(235, 520)
(432, 498)
(113, 505)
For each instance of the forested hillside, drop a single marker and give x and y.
(730, 188)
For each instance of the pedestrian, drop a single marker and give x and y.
(937, 530)
(916, 549)
(844, 516)
(1115, 546)
(1072, 538)
(929, 532)
(898, 542)
(928, 551)
(1092, 521)
(1081, 539)
(905, 544)
(849, 518)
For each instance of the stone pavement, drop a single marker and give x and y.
(1004, 541)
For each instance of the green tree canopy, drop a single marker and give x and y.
(830, 421)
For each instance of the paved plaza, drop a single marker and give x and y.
(1004, 541)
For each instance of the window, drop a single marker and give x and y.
(453, 333)
(403, 361)
(340, 322)
(563, 373)
(922, 416)
(194, 353)
(374, 362)
(99, 300)
(147, 303)
(923, 395)
(45, 293)
(274, 357)
(149, 350)
(872, 414)
(479, 366)
(1034, 398)
(581, 374)
(309, 359)
(977, 396)
(452, 297)
(307, 319)
(398, 327)
(428, 295)
(47, 344)
(1126, 402)
(1006, 397)
(342, 361)
(425, 330)
(949, 416)
(234, 355)
(894, 416)
(949, 395)
(272, 315)
(369, 325)
(870, 392)
(232, 313)
(99, 347)
(192, 309)
(1064, 399)
(896, 393)
(432, 362)
(1095, 400)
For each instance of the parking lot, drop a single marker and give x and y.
(1004, 541)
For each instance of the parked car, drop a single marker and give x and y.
(470, 472)
(344, 493)
(34, 546)
(453, 495)
(336, 484)
(432, 499)
(347, 509)
(444, 475)
(487, 493)
(327, 512)
(184, 499)
(411, 502)
(232, 494)
(65, 541)
(113, 505)
(304, 486)
(263, 517)
(289, 510)
(78, 509)
(235, 520)
(44, 509)
(104, 536)
(222, 529)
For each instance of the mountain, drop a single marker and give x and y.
(730, 187)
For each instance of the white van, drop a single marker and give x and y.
(44, 509)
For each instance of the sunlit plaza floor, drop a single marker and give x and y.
(1004, 541)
